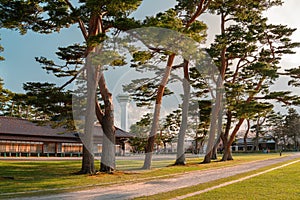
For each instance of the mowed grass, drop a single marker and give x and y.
(282, 183)
(48, 177)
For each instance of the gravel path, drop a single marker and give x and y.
(131, 190)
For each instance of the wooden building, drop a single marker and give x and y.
(19, 137)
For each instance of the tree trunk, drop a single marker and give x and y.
(246, 136)
(108, 146)
(227, 152)
(87, 138)
(212, 155)
(108, 163)
(207, 157)
(154, 128)
(256, 142)
(227, 148)
(214, 150)
(180, 158)
(87, 164)
(92, 79)
(216, 120)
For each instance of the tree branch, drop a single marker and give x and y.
(200, 9)
(72, 79)
(80, 22)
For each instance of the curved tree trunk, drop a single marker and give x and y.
(154, 127)
(180, 158)
(108, 145)
(227, 150)
(87, 139)
(216, 120)
(92, 77)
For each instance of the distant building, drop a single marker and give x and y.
(264, 143)
(22, 137)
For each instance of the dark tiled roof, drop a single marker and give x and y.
(21, 126)
(20, 129)
(16, 128)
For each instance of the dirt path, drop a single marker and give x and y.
(233, 181)
(131, 190)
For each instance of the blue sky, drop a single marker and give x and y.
(20, 66)
(20, 50)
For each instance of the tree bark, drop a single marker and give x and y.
(108, 163)
(216, 120)
(87, 164)
(246, 136)
(88, 155)
(227, 150)
(108, 146)
(215, 149)
(154, 127)
(180, 158)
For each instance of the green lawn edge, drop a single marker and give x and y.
(203, 186)
(49, 177)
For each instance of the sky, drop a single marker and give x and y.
(20, 50)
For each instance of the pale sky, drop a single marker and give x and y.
(20, 51)
(20, 66)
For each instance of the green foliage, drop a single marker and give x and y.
(39, 16)
(125, 24)
(52, 104)
(243, 10)
(291, 129)
(168, 20)
(144, 90)
(253, 49)
(294, 73)
(170, 126)
(5, 97)
(141, 57)
(95, 40)
(72, 58)
(141, 131)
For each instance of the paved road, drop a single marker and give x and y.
(131, 190)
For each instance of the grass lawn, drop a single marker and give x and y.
(282, 183)
(45, 177)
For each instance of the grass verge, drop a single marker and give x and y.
(282, 183)
(23, 178)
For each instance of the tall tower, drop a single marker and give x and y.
(123, 100)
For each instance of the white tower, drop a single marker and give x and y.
(123, 100)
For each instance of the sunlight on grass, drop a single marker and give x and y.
(271, 185)
(29, 176)
(282, 183)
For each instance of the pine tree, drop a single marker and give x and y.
(248, 52)
(94, 19)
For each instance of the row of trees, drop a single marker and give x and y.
(247, 54)
(285, 130)
(43, 102)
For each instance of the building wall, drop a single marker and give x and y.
(19, 146)
(39, 147)
(47, 148)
